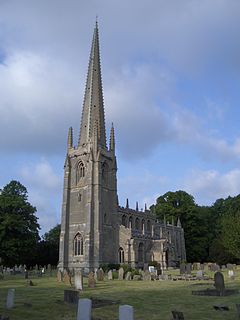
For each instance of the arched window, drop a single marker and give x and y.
(121, 255)
(78, 245)
(140, 252)
(80, 171)
(137, 224)
(124, 220)
(143, 225)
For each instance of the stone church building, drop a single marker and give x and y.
(95, 230)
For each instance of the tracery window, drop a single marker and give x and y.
(124, 220)
(121, 255)
(80, 171)
(78, 245)
(137, 224)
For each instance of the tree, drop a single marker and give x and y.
(48, 248)
(18, 226)
(180, 204)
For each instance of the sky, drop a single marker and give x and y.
(171, 76)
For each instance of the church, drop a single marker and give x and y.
(95, 230)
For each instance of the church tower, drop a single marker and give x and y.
(89, 232)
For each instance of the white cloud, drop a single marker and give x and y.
(210, 185)
(45, 190)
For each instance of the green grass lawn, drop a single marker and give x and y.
(151, 300)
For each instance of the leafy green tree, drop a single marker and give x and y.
(194, 220)
(18, 226)
(48, 248)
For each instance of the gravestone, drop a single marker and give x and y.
(201, 266)
(128, 276)
(26, 274)
(199, 275)
(66, 278)
(59, 276)
(177, 315)
(84, 309)
(110, 275)
(126, 312)
(219, 282)
(231, 274)
(230, 266)
(71, 296)
(100, 275)
(78, 280)
(120, 274)
(147, 276)
(137, 277)
(188, 268)
(91, 280)
(182, 268)
(10, 298)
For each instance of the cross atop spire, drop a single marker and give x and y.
(93, 107)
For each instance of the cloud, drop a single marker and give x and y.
(45, 189)
(210, 185)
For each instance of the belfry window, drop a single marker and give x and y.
(121, 255)
(80, 171)
(78, 245)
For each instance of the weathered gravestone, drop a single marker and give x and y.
(219, 283)
(147, 276)
(91, 280)
(230, 266)
(137, 277)
(182, 268)
(10, 298)
(78, 280)
(67, 278)
(231, 274)
(199, 275)
(188, 268)
(128, 276)
(110, 275)
(71, 296)
(120, 274)
(100, 275)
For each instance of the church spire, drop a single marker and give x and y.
(70, 138)
(93, 107)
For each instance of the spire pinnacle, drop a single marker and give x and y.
(93, 106)
(179, 223)
(137, 206)
(70, 138)
(112, 140)
(127, 203)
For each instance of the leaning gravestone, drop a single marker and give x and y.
(120, 274)
(110, 275)
(91, 280)
(100, 275)
(219, 282)
(78, 280)
(10, 298)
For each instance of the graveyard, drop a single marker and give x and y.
(151, 298)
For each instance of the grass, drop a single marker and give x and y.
(151, 300)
